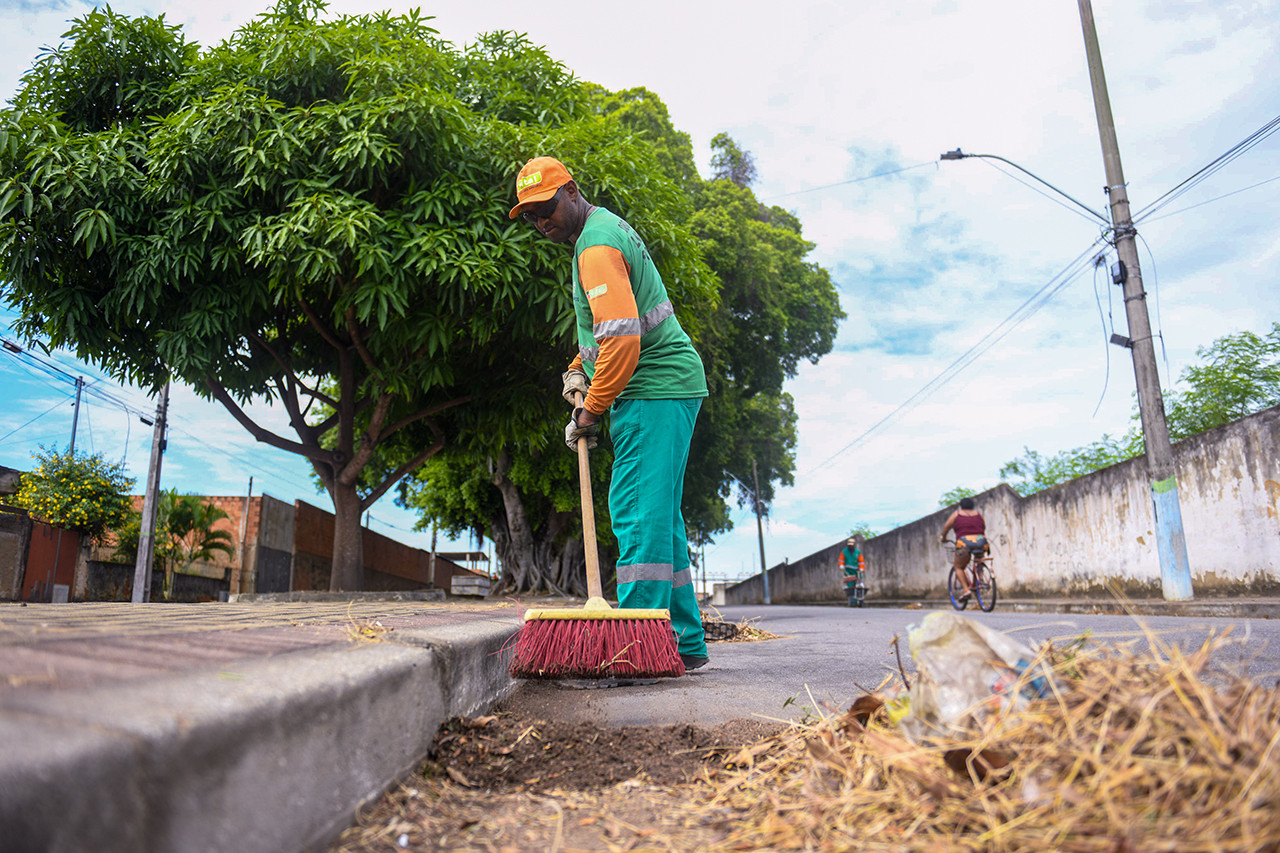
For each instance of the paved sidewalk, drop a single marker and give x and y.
(241, 726)
(262, 725)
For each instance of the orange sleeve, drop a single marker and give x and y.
(606, 279)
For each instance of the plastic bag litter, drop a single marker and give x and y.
(964, 671)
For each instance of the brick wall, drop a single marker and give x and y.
(388, 564)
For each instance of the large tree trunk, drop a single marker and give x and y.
(534, 558)
(348, 553)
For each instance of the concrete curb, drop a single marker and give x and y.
(263, 755)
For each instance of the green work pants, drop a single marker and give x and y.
(650, 449)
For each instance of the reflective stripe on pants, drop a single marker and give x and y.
(650, 449)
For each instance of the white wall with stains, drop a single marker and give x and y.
(1090, 535)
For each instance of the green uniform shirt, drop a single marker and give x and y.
(668, 366)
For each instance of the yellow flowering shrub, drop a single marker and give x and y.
(81, 492)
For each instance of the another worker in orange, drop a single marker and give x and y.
(854, 566)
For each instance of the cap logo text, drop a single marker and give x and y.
(529, 180)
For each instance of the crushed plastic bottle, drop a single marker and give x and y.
(964, 671)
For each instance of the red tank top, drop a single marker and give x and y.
(969, 525)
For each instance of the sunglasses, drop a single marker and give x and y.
(542, 210)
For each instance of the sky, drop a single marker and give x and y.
(977, 319)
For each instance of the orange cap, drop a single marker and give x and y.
(539, 180)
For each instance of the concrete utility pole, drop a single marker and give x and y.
(146, 536)
(75, 418)
(1171, 541)
(755, 496)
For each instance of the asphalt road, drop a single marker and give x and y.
(831, 655)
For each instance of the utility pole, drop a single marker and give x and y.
(244, 540)
(71, 457)
(431, 561)
(1171, 541)
(146, 537)
(764, 572)
(75, 418)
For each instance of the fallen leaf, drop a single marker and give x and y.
(821, 751)
(864, 706)
(456, 775)
(977, 766)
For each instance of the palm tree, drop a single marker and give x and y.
(185, 534)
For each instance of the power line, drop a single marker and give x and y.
(1039, 191)
(33, 420)
(37, 366)
(1209, 201)
(56, 377)
(1215, 165)
(850, 181)
(1023, 312)
(249, 464)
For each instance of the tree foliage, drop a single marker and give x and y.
(866, 531)
(1033, 472)
(730, 162)
(314, 213)
(79, 492)
(184, 534)
(1237, 376)
(954, 496)
(773, 310)
(776, 309)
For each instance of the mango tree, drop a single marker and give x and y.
(312, 214)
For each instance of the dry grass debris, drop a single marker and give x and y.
(1136, 749)
(364, 630)
(1134, 752)
(720, 630)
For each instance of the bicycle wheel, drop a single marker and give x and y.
(985, 589)
(955, 590)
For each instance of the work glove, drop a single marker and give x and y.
(572, 432)
(575, 382)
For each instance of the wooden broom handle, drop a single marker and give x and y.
(594, 587)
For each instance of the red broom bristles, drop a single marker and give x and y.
(596, 648)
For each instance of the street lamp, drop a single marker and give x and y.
(960, 155)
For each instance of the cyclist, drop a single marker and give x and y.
(970, 529)
(853, 564)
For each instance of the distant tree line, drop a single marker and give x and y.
(1236, 376)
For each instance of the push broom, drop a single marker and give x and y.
(596, 640)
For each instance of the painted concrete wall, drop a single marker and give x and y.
(1090, 534)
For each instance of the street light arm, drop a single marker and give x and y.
(957, 154)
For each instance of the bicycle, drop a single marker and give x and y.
(983, 577)
(857, 593)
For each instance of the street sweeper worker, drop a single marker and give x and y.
(853, 564)
(636, 362)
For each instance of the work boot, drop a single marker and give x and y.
(694, 661)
